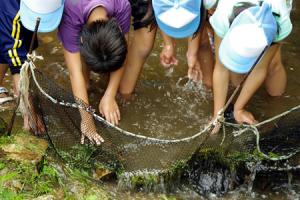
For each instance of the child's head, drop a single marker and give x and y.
(178, 19)
(251, 31)
(237, 9)
(103, 46)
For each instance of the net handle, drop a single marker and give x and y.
(11, 123)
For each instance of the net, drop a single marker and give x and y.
(274, 139)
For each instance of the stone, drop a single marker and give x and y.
(24, 147)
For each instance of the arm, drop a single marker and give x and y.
(73, 62)
(253, 82)
(194, 71)
(221, 78)
(108, 105)
(167, 55)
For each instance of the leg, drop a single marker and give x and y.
(139, 50)
(3, 69)
(276, 78)
(16, 79)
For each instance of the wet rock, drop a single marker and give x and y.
(101, 173)
(209, 173)
(23, 147)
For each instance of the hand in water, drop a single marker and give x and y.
(88, 130)
(109, 108)
(194, 71)
(243, 116)
(167, 56)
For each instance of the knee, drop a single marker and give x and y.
(145, 49)
(276, 93)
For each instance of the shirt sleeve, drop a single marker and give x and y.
(208, 4)
(282, 9)
(69, 35)
(124, 18)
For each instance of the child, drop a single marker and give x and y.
(141, 44)
(16, 36)
(186, 19)
(243, 30)
(95, 33)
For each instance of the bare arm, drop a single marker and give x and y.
(108, 105)
(221, 77)
(194, 71)
(167, 55)
(73, 62)
(253, 82)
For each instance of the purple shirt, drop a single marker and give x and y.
(76, 13)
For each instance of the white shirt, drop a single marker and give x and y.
(220, 19)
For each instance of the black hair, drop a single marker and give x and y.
(103, 46)
(238, 8)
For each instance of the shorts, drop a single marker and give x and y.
(14, 37)
(142, 13)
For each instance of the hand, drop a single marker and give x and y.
(167, 57)
(217, 126)
(88, 130)
(194, 71)
(243, 116)
(108, 107)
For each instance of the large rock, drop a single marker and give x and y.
(23, 147)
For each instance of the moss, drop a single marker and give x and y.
(20, 180)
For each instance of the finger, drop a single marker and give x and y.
(216, 129)
(175, 61)
(165, 62)
(82, 139)
(112, 118)
(101, 111)
(118, 114)
(107, 117)
(97, 138)
(190, 73)
(116, 118)
(100, 138)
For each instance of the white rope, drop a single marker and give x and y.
(97, 117)
(207, 129)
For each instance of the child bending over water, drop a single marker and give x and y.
(94, 37)
(243, 29)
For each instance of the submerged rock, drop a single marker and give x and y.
(209, 172)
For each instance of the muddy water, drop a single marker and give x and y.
(162, 108)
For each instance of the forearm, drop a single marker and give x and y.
(221, 78)
(114, 82)
(74, 66)
(168, 41)
(193, 45)
(256, 78)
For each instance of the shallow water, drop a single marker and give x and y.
(164, 109)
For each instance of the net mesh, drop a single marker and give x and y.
(276, 138)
